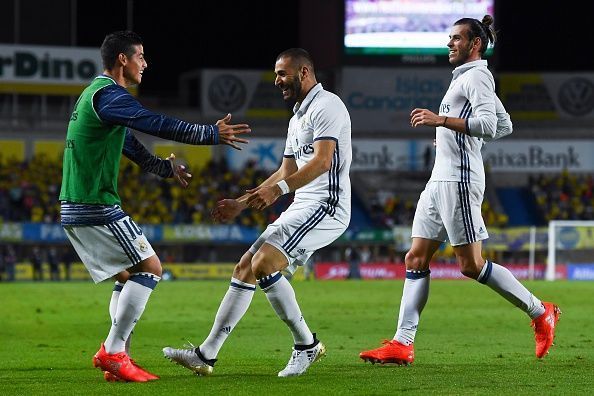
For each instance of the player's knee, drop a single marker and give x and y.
(260, 265)
(151, 265)
(469, 273)
(243, 269)
(414, 262)
(122, 277)
(470, 268)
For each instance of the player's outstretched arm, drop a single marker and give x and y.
(115, 105)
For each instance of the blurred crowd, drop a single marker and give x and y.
(390, 210)
(29, 193)
(564, 196)
(29, 190)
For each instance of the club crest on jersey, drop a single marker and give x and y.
(303, 122)
(143, 247)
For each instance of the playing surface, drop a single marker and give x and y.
(470, 341)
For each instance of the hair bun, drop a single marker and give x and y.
(487, 20)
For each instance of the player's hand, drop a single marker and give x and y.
(227, 132)
(263, 197)
(179, 172)
(226, 210)
(424, 117)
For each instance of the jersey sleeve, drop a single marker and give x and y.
(117, 106)
(288, 153)
(504, 123)
(328, 121)
(135, 151)
(479, 89)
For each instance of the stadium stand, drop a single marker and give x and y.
(29, 190)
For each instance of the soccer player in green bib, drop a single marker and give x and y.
(107, 240)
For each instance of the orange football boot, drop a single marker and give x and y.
(119, 365)
(391, 352)
(544, 328)
(109, 377)
(149, 376)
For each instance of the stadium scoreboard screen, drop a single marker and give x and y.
(415, 30)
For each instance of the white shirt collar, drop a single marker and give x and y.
(301, 107)
(467, 66)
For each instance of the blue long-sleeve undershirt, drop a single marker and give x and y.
(147, 161)
(115, 105)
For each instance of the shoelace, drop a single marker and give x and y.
(189, 345)
(294, 355)
(121, 355)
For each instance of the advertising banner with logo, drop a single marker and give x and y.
(380, 99)
(569, 238)
(580, 271)
(373, 235)
(218, 233)
(243, 93)
(11, 232)
(503, 155)
(43, 232)
(28, 69)
(531, 96)
(340, 270)
(199, 271)
(512, 239)
(539, 156)
(367, 154)
(267, 154)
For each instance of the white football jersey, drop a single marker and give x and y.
(471, 95)
(323, 115)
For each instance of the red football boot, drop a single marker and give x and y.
(391, 352)
(119, 365)
(544, 328)
(148, 376)
(109, 377)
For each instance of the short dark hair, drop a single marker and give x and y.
(481, 29)
(299, 55)
(116, 43)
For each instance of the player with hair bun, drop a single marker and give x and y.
(450, 206)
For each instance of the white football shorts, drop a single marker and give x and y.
(299, 231)
(450, 211)
(109, 249)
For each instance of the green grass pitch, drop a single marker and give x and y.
(470, 341)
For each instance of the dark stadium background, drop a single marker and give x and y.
(183, 35)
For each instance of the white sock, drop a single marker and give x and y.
(131, 304)
(504, 282)
(233, 306)
(115, 296)
(113, 308)
(414, 298)
(281, 296)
